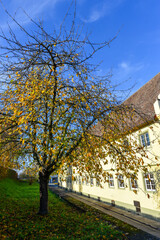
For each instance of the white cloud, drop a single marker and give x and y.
(125, 75)
(95, 16)
(101, 9)
(124, 65)
(128, 68)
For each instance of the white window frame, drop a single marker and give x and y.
(121, 181)
(92, 181)
(150, 182)
(87, 181)
(133, 184)
(76, 179)
(145, 139)
(126, 142)
(97, 183)
(79, 180)
(83, 180)
(111, 181)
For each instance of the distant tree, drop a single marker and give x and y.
(30, 174)
(53, 100)
(8, 143)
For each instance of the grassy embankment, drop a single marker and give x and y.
(19, 203)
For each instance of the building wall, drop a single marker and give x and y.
(145, 201)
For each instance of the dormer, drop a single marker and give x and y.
(157, 106)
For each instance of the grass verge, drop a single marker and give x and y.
(116, 223)
(19, 204)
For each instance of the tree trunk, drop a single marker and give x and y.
(43, 178)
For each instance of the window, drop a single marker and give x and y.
(120, 181)
(111, 181)
(83, 180)
(87, 181)
(144, 138)
(125, 142)
(150, 182)
(133, 184)
(69, 170)
(92, 183)
(60, 181)
(159, 102)
(79, 180)
(97, 183)
(76, 180)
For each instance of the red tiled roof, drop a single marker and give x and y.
(143, 99)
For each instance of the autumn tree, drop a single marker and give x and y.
(29, 173)
(52, 102)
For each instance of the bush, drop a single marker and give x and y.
(8, 173)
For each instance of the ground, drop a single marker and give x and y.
(19, 202)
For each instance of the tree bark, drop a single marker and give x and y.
(43, 178)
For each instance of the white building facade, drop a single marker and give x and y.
(141, 195)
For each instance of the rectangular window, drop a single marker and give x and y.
(120, 181)
(92, 183)
(144, 138)
(87, 181)
(150, 182)
(111, 181)
(76, 180)
(69, 180)
(133, 183)
(79, 180)
(83, 180)
(125, 142)
(97, 183)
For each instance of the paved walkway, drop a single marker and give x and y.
(147, 225)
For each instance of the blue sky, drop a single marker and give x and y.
(133, 57)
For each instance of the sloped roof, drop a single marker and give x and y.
(143, 99)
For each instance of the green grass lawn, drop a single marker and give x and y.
(19, 204)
